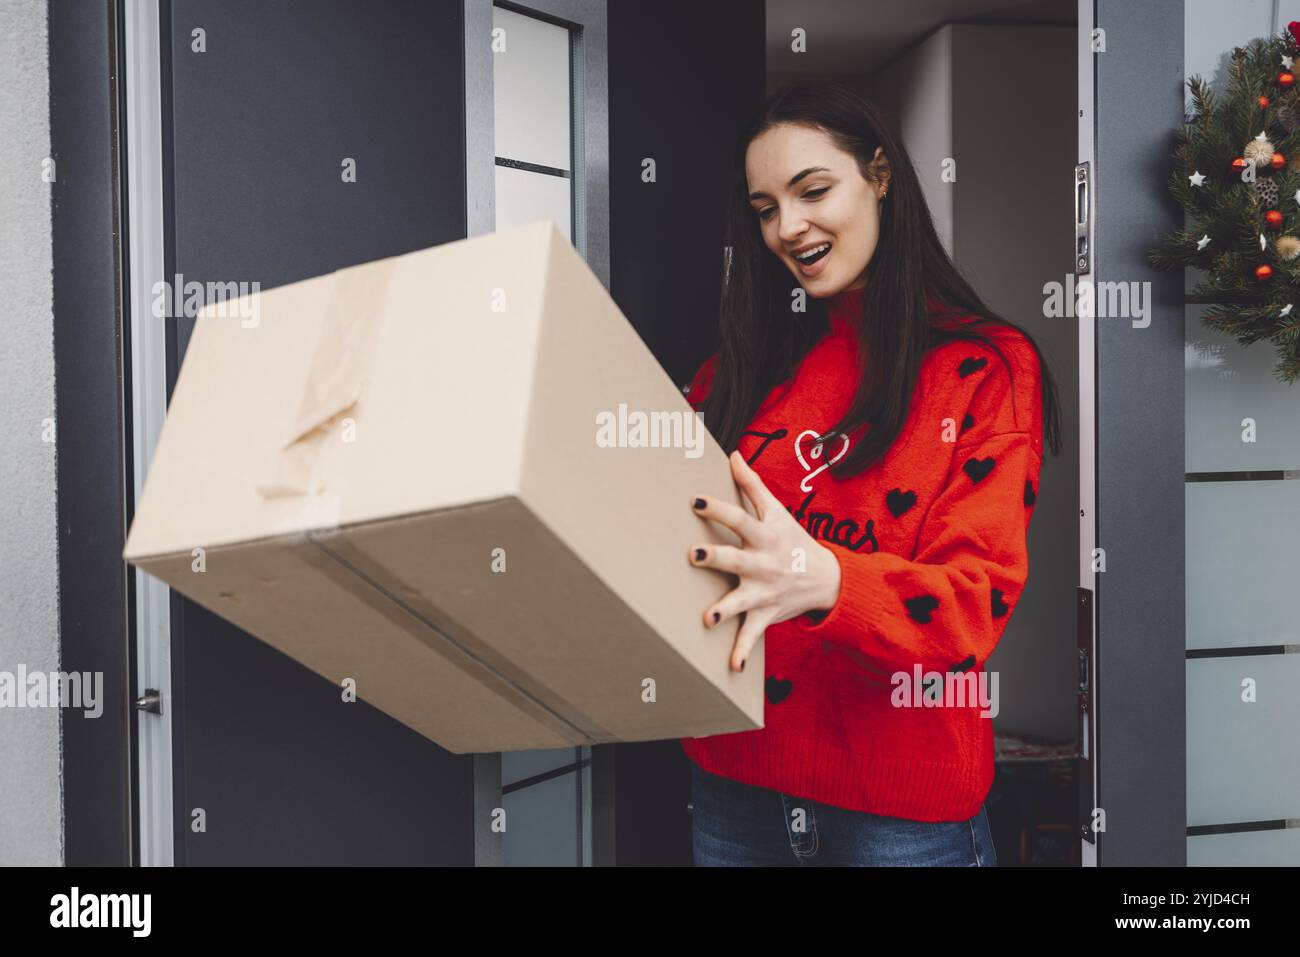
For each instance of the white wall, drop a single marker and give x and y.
(31, 805)
(916, 91)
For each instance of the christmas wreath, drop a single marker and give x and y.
(1237, 176)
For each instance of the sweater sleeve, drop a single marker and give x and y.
(945, 608)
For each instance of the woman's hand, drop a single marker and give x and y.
(784, 572)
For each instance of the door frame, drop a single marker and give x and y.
(1085, 217)
(1133, 460)
(141, 34)
(589, 153)
(92, 474)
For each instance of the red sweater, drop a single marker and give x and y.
(931, 546)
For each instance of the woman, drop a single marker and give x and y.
(886, 427)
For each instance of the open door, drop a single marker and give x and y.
(1131, 610)
(269, 143)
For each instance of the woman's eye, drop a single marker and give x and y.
(811, 194)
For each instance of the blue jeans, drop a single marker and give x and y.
(738, 825)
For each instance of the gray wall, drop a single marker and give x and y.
(31, 804)
(1015, 145)
(961, 93)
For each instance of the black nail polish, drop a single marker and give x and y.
(699, 503)
(742, 664)
(717, 616)
(699, 554)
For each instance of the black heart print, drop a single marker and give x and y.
(958, 668)
(898, 501)
(1029, 492)
(978, 468)
(971, 364)
(999, 606)
(778, 690)
(966, 423)
(919, 608)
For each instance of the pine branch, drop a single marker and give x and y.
(1226, 215)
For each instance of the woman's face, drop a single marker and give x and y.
(808, 193)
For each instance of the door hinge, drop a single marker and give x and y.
(150, 701)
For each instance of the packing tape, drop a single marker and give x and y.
(335, 383)
(336, 378)
(379, 588)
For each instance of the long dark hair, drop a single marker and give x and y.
(761, 341)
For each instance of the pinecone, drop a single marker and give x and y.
(1289, 118)
(1266, 193)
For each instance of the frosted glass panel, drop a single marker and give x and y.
(1241, 567)
(1243, 760)
(1213, 26)
(533, 125)
(542, 824)
(517, 765)
(531, 90)
(1240, 574)
(1247, 849)
(1227, 383)
(524, 196)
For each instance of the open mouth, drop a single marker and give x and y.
(816, 254)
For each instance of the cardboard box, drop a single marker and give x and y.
(402, 473)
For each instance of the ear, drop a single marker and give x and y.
(880, 164)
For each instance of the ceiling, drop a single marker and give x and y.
(860, 36)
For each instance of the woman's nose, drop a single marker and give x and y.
(792, 227)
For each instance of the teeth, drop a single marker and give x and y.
(812, 252)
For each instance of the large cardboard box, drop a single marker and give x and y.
(431, 474)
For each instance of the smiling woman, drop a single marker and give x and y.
(914, 416)
(824, 222)
(820, 166)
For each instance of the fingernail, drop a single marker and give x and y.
(717, 616)
(699, 554)
(699, 503)
(742, 664)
